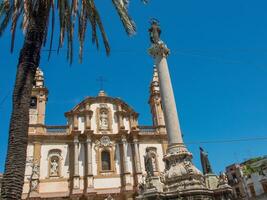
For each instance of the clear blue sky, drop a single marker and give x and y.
(218, 66)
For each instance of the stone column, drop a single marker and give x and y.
(88, 117)
(137, 156)
(88, 146)
(160, 53)
(120, 118)
(124, 148)
(76, 176)
(75, 122)
(178, 160)
(138, 170)
(127, 175)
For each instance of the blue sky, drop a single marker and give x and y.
(218, 65)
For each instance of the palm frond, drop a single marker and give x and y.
(52, 27)
(7, 17)
(84, 12)
(16, 13)
(101, 27)
(127, 22)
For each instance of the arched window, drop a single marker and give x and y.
(105, 160)
(33, 102)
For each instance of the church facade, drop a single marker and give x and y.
(100, 153)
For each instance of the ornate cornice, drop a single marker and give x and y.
(102, 99)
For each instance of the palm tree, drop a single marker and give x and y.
(35, 16)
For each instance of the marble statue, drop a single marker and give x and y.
(103, 120)
(54, 168)
(223, 178)
(34, 185)
(205, 162)
(149, 163)
(154, 32)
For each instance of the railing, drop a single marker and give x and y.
(147, 130)
(57, 130)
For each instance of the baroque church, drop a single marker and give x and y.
(104, 154)
(99, 153)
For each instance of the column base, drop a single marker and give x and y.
(139, 177)
(181, 178)
(76, 182)
(90, 182)
(127, 181)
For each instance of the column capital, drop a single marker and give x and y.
(123, 139)
(75, 139)
(88, 139)
(160, 49)
(135, 140)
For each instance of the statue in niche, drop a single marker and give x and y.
(54, 167)
(205, 162)
(34, 185)
(149, 163)
(103, 119)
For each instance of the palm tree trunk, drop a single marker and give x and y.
(29, 58)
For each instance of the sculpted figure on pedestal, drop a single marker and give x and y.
(205, 162)
(149, 163)
(54, 168)
(223, 179)
(154, 32)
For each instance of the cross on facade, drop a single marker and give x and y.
(101, 81)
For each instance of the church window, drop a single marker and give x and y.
(54, 157)
(105, 160)
(33, 102)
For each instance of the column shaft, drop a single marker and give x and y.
(89, 156)
(125, 162)
(137, 156)
(168, 102)
(76, 156)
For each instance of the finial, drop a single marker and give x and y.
(154, 31)
(102, 93)
(101, 81)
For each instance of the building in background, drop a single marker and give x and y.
(249, 179)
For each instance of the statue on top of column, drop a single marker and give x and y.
(205, 162)
(154, 31)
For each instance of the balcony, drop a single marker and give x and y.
(57, 130)
(147, 130)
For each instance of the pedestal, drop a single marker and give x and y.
(76, 183)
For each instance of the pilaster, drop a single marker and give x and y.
(126, 173)
(75, 121)
(138, 170)
(36, 167)
(89, 171)
(76, 176)
(88, 117)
